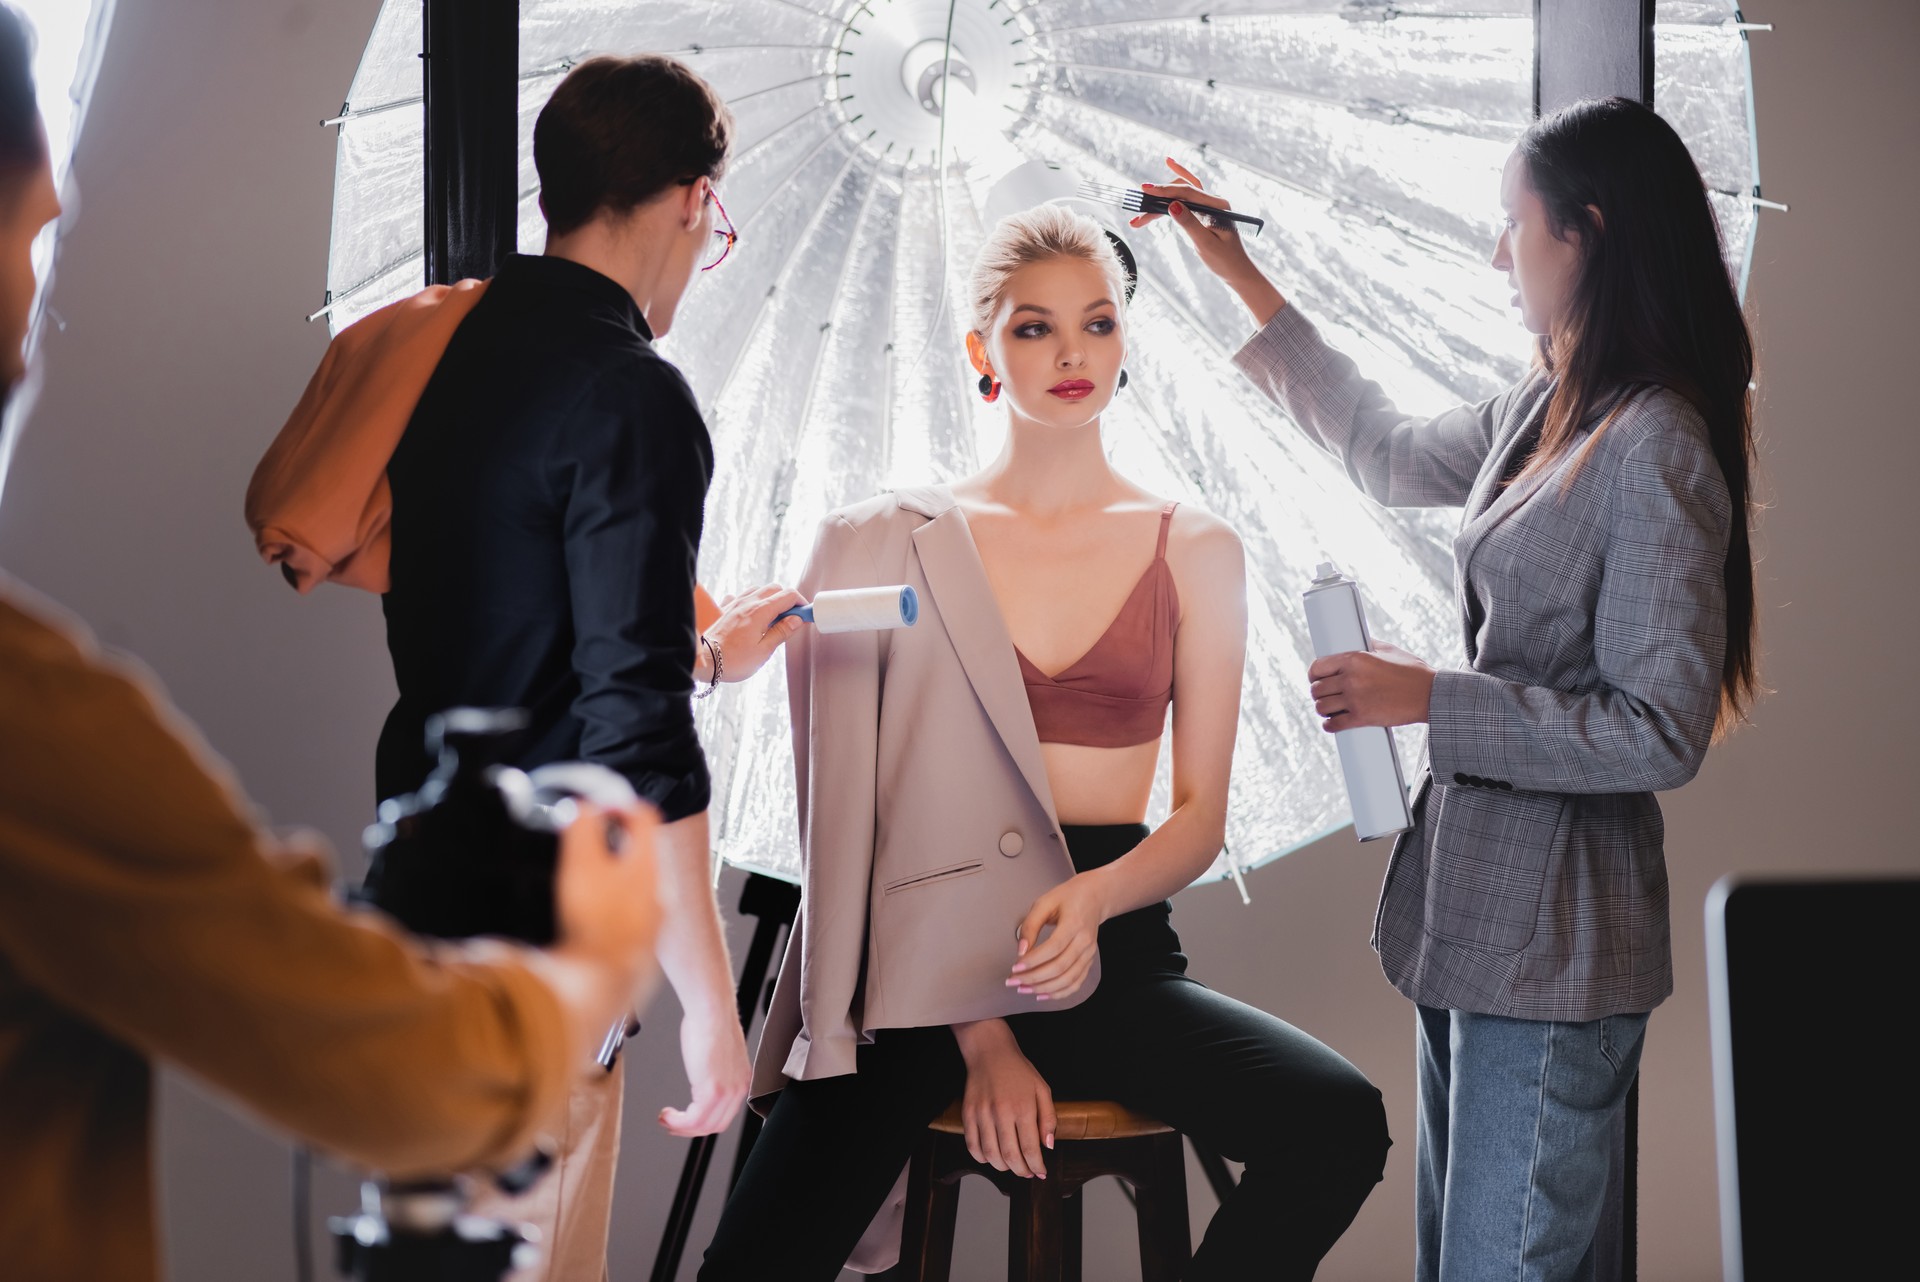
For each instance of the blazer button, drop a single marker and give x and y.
(1011, 844)
(1462, 779)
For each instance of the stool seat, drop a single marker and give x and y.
(1095, 1138)
(1095, 1119)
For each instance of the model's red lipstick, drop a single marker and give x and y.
(1072, 389)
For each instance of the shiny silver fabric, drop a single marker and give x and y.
(827, 350)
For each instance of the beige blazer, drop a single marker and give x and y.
(927, 828)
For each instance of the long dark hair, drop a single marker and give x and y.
(1653, 306)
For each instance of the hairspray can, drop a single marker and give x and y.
(1376, 792)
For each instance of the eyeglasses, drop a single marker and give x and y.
(728, 238)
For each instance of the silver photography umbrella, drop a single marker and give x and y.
(875, 144)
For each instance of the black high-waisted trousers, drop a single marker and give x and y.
(1309, 1126)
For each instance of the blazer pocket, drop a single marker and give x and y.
(1488, 866)
(931, 876)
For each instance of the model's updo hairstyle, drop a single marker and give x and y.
(1038, 235)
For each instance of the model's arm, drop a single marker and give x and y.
(140, 896)
(631, 463)
(1209, 655)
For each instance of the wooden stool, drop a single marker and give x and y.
(1092, 1138)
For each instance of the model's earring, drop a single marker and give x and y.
(989, 388)
(1123, 378)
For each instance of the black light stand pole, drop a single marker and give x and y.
(1600, 49)
(472, 87)
(773, 904)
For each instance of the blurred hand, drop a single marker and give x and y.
(1057, 967)
(1007, 1111)
(746, 633)
(604, 900)
(1388, 687)
(714, 1050)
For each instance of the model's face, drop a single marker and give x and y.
(28, 203)
(1057, 342)
(1541, 268)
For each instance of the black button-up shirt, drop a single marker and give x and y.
(547, 504)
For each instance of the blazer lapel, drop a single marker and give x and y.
(1490, 504)
(958, 582)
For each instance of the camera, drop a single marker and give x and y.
(473, 852)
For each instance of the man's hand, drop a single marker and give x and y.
(746, 634)
(714, 1051)
(1055, 969)
(1388, 687)
(1008, 1106)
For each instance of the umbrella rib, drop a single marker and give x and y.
(1391, 219)
(839, 286)
(1210, 18)
(781, 186)
(1300, 95)
(755, 93)
(786, 264)
(552, 69)
(766, 138)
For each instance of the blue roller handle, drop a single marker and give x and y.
(909, 609)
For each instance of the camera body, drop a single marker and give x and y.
(475, 849)
(473, 852)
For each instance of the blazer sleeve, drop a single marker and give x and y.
(1400, 460)
(1659, 643)
(634, 462)
(142, 897)
(833, 687)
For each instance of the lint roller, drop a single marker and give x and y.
(1376, 791)
(859, 609)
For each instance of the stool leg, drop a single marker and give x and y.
(926, 1241)
(1072, 1203)
(1160, 1207)
(1034, 1223)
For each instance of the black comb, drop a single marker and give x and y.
(1136, 201)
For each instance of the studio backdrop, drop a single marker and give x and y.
(877, 141)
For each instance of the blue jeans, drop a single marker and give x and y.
(1521, 1141)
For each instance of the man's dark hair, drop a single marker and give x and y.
(21, 142)
(619, 131)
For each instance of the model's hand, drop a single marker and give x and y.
(1388, 687)
(715, 1053)
(1218, 243)
(1008, 1107)
(1054, 968)
(746, 633)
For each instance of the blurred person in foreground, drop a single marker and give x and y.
(145, 914)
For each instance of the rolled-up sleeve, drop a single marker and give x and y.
(637, 463)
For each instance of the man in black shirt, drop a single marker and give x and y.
(547, 502)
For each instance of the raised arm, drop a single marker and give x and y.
(1401, 460)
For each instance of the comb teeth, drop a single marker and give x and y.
(1106, 194)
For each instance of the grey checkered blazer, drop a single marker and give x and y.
(1534, 883)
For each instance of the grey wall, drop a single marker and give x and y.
(203, 242)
